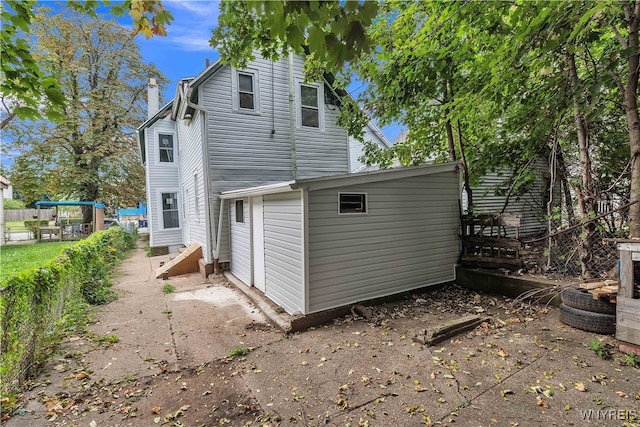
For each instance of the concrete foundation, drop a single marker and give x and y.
(498, 283)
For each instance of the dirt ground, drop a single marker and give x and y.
(202, 355)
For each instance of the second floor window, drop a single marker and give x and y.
(309, 108)
(166, 148)
(246, 91)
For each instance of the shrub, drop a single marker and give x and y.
(32, 224)
(13, 204)
(38, 305)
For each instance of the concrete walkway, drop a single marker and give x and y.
(203, 355)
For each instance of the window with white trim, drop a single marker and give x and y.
(166, 148)
(246, 91)
(170, 214)
(352, 203)
(309, 105)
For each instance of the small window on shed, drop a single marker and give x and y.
(352, 203)
(239, 210)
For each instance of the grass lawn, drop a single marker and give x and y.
(15, 226)
(15, 258)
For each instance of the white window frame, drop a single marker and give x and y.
(157, 134)
(235, 90)
(235, 209)
(320, 88)
(358, 193)
(161, 211)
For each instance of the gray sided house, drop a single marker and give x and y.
(321, 243)
(228, 129)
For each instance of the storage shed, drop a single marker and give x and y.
(315, 244)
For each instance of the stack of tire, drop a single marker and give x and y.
(581, 311)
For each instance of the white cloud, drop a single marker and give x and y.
(192, 25)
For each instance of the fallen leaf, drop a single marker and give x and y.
(541, 402)
(155, 410)
(502, 353)
(82, 375)
(419, 389)
(503, 393)
(622, 394)
(580, 387)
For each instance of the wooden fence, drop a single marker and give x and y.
(26, 214)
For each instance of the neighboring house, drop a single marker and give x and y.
(137, 215)
(228, 129)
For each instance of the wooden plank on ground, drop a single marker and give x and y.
(448, 329)
(596, 285)
(605, 291)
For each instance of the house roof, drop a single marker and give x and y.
(4, 182)
(335, 181)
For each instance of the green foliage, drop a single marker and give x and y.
(25, 84)
(601, 348)
(91, 155)
(105, 339)
(631, 359)
(168, 288)
(240, 351)
(12, 204)
(32, 224)
(39, 304)
(334, 31)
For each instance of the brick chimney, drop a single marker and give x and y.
(153, 99)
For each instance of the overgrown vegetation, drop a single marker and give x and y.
(42, 303)
(240, 351)
(601, 348)
(168, 288)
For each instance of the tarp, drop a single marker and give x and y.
(69, 203)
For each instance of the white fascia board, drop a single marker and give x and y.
(379, 133)
(373, 176)
(279, 187)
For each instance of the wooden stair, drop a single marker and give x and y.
(186, 262)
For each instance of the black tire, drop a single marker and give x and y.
(600, 323)
(583, 300)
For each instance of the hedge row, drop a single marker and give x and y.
(37, 305)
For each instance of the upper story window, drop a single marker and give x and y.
(309, 106)
(166, 148)
(246, 93)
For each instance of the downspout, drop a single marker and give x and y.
(206, 172)
(219, 235)
(292, 119)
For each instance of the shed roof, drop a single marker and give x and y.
(335, 181)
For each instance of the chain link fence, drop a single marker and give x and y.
(584, 250)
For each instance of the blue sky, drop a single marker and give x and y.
(183, 52)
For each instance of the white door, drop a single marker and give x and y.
(257, 230)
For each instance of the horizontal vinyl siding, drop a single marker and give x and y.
(407, 240)
(284, 250)
(160, 176)
(191, 163)
(356, 148)
(529, 206)
(240, 243)
(247, 150)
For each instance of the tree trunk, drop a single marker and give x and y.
(585, 193)
(447, 125)
(630, 98)
(563, 174)
(465, 169)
